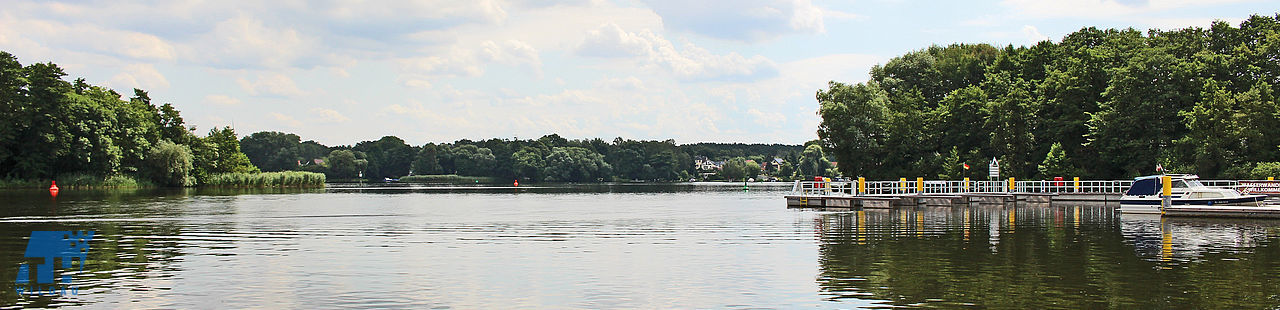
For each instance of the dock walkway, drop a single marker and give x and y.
(886, 194)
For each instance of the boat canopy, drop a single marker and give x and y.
(1150, 185)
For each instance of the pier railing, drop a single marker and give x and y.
(959, 187)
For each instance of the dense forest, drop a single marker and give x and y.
(1111, 103)
(549, 158)
(55, 128)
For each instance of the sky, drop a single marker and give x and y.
(340, 72)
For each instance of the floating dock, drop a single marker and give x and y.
(887, 194)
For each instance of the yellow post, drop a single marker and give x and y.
(1167, 181)
(1271, 178)
(1012, 185)
(902, 184)
(1077, 180)
(919, 184)
(862, 185)
(966, 185)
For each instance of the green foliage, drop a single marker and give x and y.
(1056, 164)
(1262, 171)
(752, 169)
(169, 164)
(266, 179)
(575, 164)
(1113, 103)
(814, 162)
(272, 150)
(734, 169)
(343, 164)
(389, 157)
(218, 153)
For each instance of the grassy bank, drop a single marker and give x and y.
(266, 179)
(80, 181)
(447, 178)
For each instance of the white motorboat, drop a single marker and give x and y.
(1144, 195)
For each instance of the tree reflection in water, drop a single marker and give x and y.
(1042, 256)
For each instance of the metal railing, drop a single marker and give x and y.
(958, 187)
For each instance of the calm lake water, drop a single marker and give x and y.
(626, 246)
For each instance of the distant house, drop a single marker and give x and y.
(705, 164)
(318, 161)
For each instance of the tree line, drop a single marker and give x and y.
(54, 128)
(1111, 103)
(550, 158)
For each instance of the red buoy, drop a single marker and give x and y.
(517, 183)
(53, 189)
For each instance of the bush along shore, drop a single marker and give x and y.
(80, 181)
(447, 178)
(288, 179)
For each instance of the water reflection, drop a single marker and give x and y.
(1038, 256)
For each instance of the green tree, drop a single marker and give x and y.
(343, 164)
(575, 164)
(1056, 164)
(751, 169)
(813, 162)
(853, 121)
(272, 150)
(170, 164)
(528, 163)
(219, 152)
(426, 161)
(734, 169)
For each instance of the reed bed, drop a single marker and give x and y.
(266, 179)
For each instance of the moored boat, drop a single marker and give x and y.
(1144, 195)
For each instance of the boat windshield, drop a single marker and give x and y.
(1179, 184)
(1194, 183)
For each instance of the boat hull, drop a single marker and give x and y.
(1248, 200)
(1151, 205)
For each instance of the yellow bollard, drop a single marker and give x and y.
(862, 185)
(1012, 185)
(1077, 180)
(902, 184)
(1167, 190)
(966, 185)
(919, 184)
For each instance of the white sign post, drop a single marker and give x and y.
(993, 169)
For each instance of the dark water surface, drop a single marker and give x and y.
(626, 246)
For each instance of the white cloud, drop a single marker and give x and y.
(742, 20)
(245, 42)
(142, 76)
(512, 52)
(611, 41)
(220, 100)
(1033, 35)
(460, 62)
(688, 63)
(286, 119)
(83, 37)
(329, 115)
(271, 84)
(772, 119)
